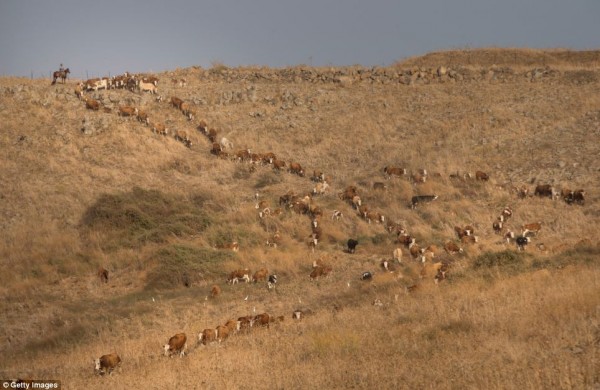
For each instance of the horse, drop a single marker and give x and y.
(60, 73)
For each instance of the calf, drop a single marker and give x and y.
(215, 291)
(352, 243)
(272, 281)
(106, 363)
(103, 274)
(480, 175)
(366, 276)
(336, 215)
(176, 344)
(379, 186)
(522, 241)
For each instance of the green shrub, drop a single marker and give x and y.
(131, 219)
(178, 265)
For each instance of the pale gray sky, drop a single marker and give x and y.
(98, 38)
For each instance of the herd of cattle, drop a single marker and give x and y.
(178, 343)
(434, 262)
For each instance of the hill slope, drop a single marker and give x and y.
(84, 189)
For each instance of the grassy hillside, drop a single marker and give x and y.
(87, 189)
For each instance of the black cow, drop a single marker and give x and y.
(522, 242)
(352, 243)
(422, 199)
(366, 276)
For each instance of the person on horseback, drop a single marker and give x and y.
(61, 69)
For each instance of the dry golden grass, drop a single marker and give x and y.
(151, 211)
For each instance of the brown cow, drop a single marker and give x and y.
(296, 169)
(92, 104)
(482, 176)
(215, 291)
(222, 333)
(128, 111)
(261, 274)
(278, 164)
(102, 274)
(262, 320)
(176, 102)
(107, 363)
(176, 344)
(320, 270)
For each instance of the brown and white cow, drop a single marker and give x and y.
(394, 171)
(176, 344)
(245, 323)
(160, 128)
(239, 275)
(207, 336)
(296, 169)
(533, 227)
(107, 363)
(452, 248)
